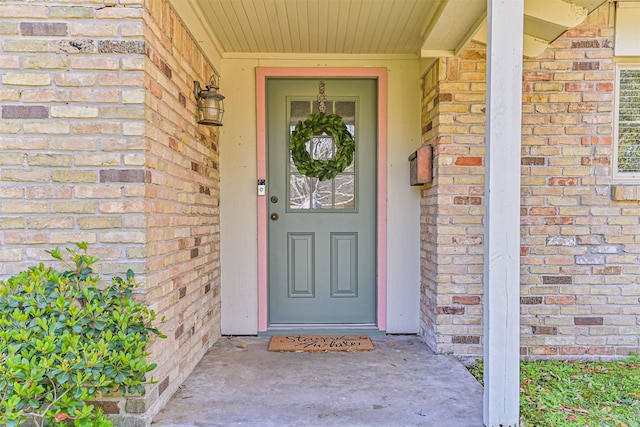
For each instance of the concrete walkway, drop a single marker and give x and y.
(400, 383)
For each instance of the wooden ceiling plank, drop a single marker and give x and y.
(245, 13)
(344, 18)
(404, 38)
(303, 29)
(263, 25)
(234, 27)
(391, 10)
(368, 26)
(322, 23)
(360, 27)
(293, 23)
(274, 24)
(312, 23)
(283, 25)
(233, 22)
(226, 15)
(401, 39)
(333, 13)
(216, 22)
(371, 33)
(351, 35)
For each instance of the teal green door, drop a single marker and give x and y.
(322, 234)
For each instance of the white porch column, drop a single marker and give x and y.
(502, 213)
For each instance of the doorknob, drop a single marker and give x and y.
(274, 216)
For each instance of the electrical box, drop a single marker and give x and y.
(420, 165)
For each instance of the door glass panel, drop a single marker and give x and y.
(299, 193)
(323, 146)
(322, 194)
(328, 107)
(351, 167)
(346, 110)
(299, 110)
(345, 192)
(310, 194)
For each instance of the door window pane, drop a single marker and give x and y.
(299, 193)
(310, 194)
(323, 146)
(322, 194)
(299, 111)
(345, 191)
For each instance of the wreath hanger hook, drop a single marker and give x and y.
(321, 97)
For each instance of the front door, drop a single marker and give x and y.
(322, 234)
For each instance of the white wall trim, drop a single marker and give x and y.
(627, 40)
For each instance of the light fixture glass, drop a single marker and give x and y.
(210, 103)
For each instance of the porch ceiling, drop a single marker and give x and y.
(425, 28)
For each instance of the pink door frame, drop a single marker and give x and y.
(262, 73)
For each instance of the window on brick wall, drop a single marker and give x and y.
(627, 123)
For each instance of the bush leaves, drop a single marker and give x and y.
(64, 341)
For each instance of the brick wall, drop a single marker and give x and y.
(579, 293)
(99, 144)
(182, 200)
(452, 209)
(579, 285)
(428, 212)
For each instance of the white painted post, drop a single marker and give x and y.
(502, 213)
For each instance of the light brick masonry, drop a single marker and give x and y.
(99, 144)
(579, 250)
(452, 207)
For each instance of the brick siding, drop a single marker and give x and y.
(579, 242)
(428, 215)
(452, 206)
(579, 287)
(99, 142)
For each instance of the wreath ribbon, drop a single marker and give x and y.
(317, 168)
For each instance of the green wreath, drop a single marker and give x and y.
(322, 169)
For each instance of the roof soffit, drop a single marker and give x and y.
(422, 28)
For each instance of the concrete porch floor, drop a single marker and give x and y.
(400, 383)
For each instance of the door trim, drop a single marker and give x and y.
(262, 74)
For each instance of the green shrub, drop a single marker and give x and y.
(64, 341)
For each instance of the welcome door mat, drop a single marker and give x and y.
(320, 343)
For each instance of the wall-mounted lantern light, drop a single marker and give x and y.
(210, 105)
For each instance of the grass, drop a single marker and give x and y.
(558, 393)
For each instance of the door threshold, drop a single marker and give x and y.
(369, 329)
